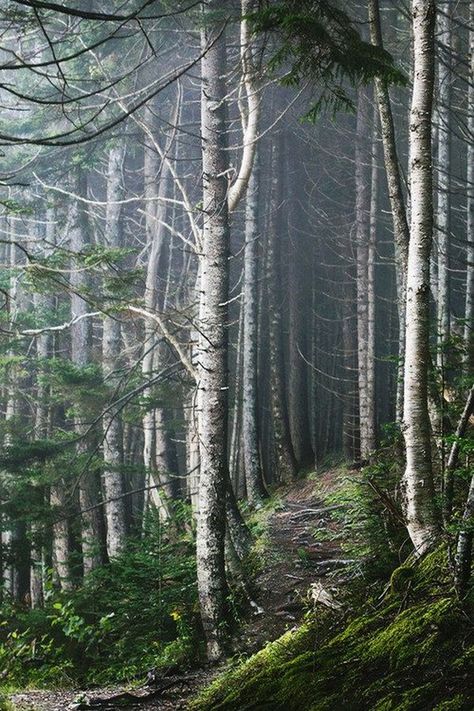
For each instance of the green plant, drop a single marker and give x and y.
(138, 612)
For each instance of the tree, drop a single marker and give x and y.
(213, 326)
(111, 349)
(395, 193)
(418, 479)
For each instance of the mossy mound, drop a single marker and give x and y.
(412, 651)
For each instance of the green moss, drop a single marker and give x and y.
(400, 579)
(458, 703)
(413, 652)
(5, 705)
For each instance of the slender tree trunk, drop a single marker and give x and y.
(43, 351)
(12, 536)
(371, 256)
(454, 455)
(250, 439)
(61, 538)
(285, 458)
(463, 559)
(469, 306)
(81, 356)
(298, 268)
(213, 340)
(362, 178)
(156, 455)
(419, 489)
(44, 305)
(350, 443)
(444, 182)
(396, 197)
(111, 350)
(236, 415)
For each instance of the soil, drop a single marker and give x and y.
(294, 560)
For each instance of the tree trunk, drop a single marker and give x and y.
(81, 356)
(250, 441)
(453, 456)
(298, 269)
(111, 349)
(213, 337)
(469, 306)
(156, 455)
(419, 489)
(286, 464)
(44, 305)
(397, 201)
(463, 559)
(362, 178)
(371, 256)
(444, 182)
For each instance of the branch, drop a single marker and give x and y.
(62, 327)
(101, 16)
(454, 454)
(169, 337)
(251, 120)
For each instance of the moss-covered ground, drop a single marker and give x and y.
(411, 649)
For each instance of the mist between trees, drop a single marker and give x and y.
(236, 244)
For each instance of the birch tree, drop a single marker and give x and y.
(395, 194)
(250, 440)
(444, 183)
(111, 349)
(418, 479)
(213, 338)
(363, 164)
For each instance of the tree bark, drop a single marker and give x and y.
(421, 516)
(371, 257)
(81, 356)
(444, 182)
(298, 268)
(453, 456)
(397, 201)
(286, 464)
(463, 559)
(111, 349)
(250, 439)
(156, 455)
(469, 304)
(363, 162)
(213, 337)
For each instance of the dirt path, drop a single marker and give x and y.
(295, 559)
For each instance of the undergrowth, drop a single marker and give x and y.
(138, 612)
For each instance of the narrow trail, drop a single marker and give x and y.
(294, 560)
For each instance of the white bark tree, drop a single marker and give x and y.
(213, 338)
(363, 162)
(418, 479)
(396, 197)
(113, 484)
(444, 182)
(250, 440)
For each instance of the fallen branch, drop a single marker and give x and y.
(125, 699)
(307, 512)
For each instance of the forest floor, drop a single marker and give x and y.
(295, 558)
